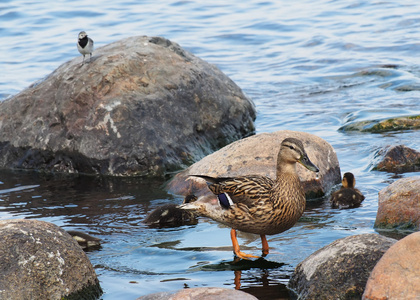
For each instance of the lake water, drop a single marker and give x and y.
(309, 66)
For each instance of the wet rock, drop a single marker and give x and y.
(378, 126)
(39, 260)
(341, 269)
(397, 274)
(205, 293)
(398, 205)
(257, 155)
(142, 106)
(398, 159)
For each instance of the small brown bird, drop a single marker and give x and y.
(347, 196)
(170, 215)
(258, 204)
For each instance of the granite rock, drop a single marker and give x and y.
(399, 205)
(204, 293)
(257, 155)
(341, 269)
(397, 274)
(143, 106)
(39, 260)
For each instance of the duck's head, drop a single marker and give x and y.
(348, 180)
(291, 152)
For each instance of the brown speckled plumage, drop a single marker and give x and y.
(261, 205)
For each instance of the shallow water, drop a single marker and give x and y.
(308, 66)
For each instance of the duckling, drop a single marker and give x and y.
(347, 196)
(170, 215)
(85, 240)
(258, 204)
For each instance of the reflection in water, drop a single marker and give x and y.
(105, 203)
(262, 278)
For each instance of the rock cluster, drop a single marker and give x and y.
(142, 106)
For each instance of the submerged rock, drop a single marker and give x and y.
(397, 274)
(398, 205)
(203, 293)
(142, 106)
(39, 260)
(257, 155)
(378, 126)
(341, 269)
(399, 159)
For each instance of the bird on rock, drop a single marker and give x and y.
(258, 204)
(85, 45)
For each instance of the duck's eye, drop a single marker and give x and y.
(291, 147)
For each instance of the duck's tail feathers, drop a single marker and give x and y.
(212, 180)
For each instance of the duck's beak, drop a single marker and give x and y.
(304, 161)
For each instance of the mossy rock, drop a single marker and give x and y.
(385, 125)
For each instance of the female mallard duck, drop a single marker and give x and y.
(170, 215)
(258, 204)
(347, 196)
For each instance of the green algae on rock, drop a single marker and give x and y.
(385, 125)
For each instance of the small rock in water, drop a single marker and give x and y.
(398, 205)
(399, 159)
(341, 269)
(202, 293)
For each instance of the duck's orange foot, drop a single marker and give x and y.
(242, 255)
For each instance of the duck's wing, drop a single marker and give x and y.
(245, 190)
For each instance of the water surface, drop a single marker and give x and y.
(310, 66)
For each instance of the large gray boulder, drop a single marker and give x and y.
(257, 155)
(142, 106)
(39, 260)
(341, 269)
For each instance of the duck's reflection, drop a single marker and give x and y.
(262, 278)
(264, 287)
